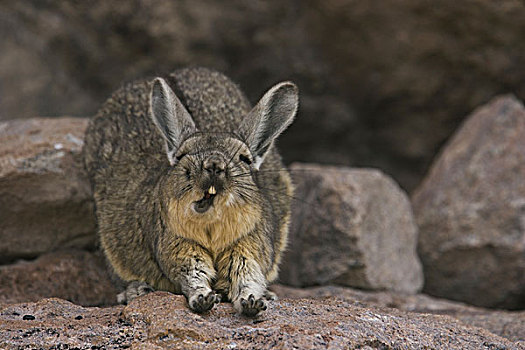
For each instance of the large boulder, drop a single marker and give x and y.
(352, 227)
(45, 196)
(391, 85)
(471, 210)
(163, 321)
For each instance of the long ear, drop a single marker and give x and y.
(170, 116)
(268, 119)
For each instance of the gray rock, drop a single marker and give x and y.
(352, 227)
(45, 197)
(471, 210)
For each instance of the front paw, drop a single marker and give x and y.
(200, 303)
(252, 307)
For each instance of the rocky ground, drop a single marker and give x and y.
(301, 316)
(331, 317)
(161, 320)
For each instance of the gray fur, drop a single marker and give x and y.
(159, 223)
(170, 116)
(269, 118)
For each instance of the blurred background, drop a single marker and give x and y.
(383, 83)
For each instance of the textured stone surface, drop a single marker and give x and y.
(386, 91)
(508, 324)
(352, 227)
(81, 277)
(77, 276)
(45, 197)
(162, 320)
(471, 210)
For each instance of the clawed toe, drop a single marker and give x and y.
(251, 306)
(203, 303)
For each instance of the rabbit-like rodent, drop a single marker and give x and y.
(191, 195)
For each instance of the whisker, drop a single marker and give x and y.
(274, 171)
(252, 187)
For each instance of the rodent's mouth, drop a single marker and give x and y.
(201, 206)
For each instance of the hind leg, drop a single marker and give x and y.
(133, 290)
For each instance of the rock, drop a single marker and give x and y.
(412, 72)
(45, 196)
(161, 320)
(386, 91)
(352, 227)
(507, 324)
(78, 276)
(56, 323)
(471, 211)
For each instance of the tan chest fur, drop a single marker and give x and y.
(216, 230)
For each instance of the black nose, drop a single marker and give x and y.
(214, 165)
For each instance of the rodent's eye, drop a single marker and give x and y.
(245, 159)
(180, 156)
(188, 174)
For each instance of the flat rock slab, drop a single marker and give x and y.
(45, 196)
(508, 324)
(81, 277)
(162, 320)
(471, 211)
(352, 227)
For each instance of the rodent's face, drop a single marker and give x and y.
(213, 175)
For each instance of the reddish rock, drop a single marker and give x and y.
(471, 211)
(163, 321)
(78, 276)
(81, 277)
(45, 197)
(507, 324)
(352, 227)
